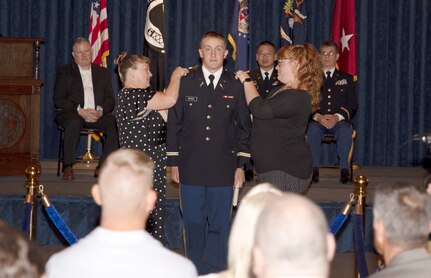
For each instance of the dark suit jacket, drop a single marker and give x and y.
(209, 130)
(412, 263)
(338, 95)
(262, 86)
(69, 90)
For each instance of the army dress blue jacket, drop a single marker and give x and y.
(209, 130)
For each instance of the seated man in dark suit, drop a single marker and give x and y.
(402, 217)
(337, 107)
(84, 98)
(265, 76)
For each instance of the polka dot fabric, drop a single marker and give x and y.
(146, 132)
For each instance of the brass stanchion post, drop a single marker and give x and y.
(361, 183)
(32, 173)
(88, 156)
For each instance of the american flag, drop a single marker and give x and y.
(98, 32)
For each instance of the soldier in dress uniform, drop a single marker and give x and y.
(207, 146)
(338, 105)
(265, 76)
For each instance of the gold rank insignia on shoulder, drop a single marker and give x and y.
(193, 68)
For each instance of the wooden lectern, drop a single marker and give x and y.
(19, 104)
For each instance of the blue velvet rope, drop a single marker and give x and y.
(359, 246)
(61, 226)
(337, 223)
(26, 220)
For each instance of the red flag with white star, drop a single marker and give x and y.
(343, 30)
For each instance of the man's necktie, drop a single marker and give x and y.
(266, 76)
(328, 75)
(211, 85)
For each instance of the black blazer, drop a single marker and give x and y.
(338, 95)
(69, 90)
(209, 130)
(262, 86)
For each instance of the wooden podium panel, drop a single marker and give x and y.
(19, 104)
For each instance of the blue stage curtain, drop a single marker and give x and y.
(186, 22)
(394, 64)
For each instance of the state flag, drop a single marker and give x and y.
(239, 34)
(293, 23)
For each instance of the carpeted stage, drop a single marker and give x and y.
(73, 201)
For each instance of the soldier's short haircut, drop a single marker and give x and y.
(212, 34)
(330, 44)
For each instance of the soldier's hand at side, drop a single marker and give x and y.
(239, 178)
(175, 174)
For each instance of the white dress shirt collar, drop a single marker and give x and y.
(262, 72)
(216, 74)
(331, 70)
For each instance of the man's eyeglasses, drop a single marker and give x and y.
(327, 54)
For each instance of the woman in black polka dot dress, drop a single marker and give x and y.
(141, 118)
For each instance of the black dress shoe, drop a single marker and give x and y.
(345, 176)
(68, 173)
(315, 178)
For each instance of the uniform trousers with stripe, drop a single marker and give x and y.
(206, 217)
(343, 132)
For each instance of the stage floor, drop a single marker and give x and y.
(326, 191)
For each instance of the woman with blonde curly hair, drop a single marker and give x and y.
(278, 148)
(241, 236)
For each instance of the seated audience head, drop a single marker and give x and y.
(427, 184)
(299, 68)
(243, 230)
(134, 70)
(18, 257)
(265, 55)
(124, 189)
(81, 52)
(292, 239)
(402, 217)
